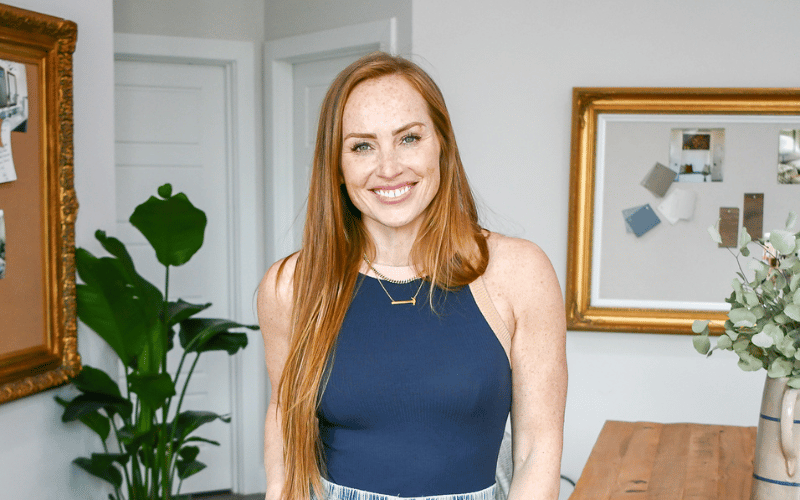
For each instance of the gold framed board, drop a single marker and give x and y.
(38, 325)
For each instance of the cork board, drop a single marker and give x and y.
(38, 329)
(22, 289)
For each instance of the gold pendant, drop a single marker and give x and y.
(412, 301)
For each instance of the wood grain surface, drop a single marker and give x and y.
(651, 461)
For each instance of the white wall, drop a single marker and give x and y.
(36, 448)
(507, 73)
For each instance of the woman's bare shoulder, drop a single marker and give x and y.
(275, 296)
(511, 256)
(518, 276)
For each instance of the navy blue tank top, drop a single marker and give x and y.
(417, 400)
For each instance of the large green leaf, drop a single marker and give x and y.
(188, 421)
(96, 421)
(173, 226)
(87, 404)
(94, 380)
(107, 303)
(188, 468)
(181, 310)
(149, 293)
(153, 389)
(212, 334)
(102, 466)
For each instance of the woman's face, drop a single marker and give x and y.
(390, 153)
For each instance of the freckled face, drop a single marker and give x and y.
(390, 153)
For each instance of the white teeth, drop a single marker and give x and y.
(394, 193)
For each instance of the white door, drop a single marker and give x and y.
(171, 127)
(311, 80)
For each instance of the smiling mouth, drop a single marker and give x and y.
(393, 193)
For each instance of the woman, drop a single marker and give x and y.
(398, 336)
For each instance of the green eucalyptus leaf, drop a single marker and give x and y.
(714, 233)
(761, 339)
(741, 344)
(794, 282)
(751, 299)
(796, 296)
(738, 290)
(748, 362)
(774, 331)
(792, 311)
(744, 239)
(783, 241)
(173, 226)
(742, 317)
(701, 343)
(700, 326)
(786, 347)
(724, 342)
(781, 367)
(745, 251)
(790, 220)
(794, 383)
(781, 319)
(733, 334)
(779, 279)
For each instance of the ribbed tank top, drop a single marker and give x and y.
(417, 399)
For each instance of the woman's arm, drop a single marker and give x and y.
(527, 289)
(274, 317)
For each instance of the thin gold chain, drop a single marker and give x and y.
(412, 300)
(386, 278)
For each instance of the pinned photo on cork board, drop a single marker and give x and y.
(684, 152)
(38, 331)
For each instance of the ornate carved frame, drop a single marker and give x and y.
(588, 104)
(48, 43)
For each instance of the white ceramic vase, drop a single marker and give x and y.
(775, 474)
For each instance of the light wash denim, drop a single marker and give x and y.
(337, 492)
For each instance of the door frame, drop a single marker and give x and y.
(237, 60)
(279, 58)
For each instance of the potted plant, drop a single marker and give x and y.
(763, 329)
(146, 434)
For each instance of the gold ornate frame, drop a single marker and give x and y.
(45, 44)
(588, 104)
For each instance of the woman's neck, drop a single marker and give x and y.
(392, 245)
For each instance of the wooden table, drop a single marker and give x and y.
(649, 461)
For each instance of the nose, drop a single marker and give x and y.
(388, 166)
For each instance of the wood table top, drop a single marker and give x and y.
(651, 461)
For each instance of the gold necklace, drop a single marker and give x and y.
(386, 278)
(412, 300)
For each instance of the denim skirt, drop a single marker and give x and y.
(337, 492)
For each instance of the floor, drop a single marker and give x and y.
(226, 496)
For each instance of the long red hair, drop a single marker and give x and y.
(450, 250)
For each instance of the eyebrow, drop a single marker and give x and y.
(394, 132)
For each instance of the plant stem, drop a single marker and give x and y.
(164, 447)
(178, 409)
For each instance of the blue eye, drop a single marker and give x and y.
(410, 138)
(359, 147)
